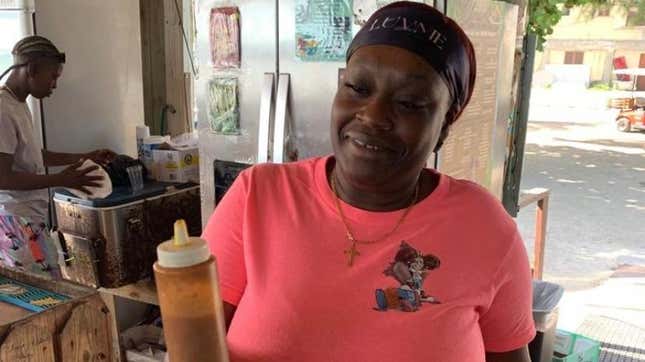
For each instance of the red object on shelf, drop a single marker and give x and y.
(621, 63)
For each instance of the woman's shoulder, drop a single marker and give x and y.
(478, 204)
(274, 174)
(469, 190)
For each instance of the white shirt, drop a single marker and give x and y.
(17, 138)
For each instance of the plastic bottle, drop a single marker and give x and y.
(189, 297)
(142, 132)
(149, 145)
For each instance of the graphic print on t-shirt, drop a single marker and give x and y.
(409, 268)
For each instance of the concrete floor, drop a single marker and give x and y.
(595, 244)
(597, 208)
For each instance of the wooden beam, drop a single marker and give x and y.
(154, 62)
(541, 197)
(541, 215)
(528, 197)
(143, 291)
(176, 116)
(110, 304)
(515, 159)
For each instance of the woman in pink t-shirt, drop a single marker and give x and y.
(366, 255)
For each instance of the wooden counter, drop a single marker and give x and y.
(76, 330)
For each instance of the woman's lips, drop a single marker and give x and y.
(368, 146)
(368, 142)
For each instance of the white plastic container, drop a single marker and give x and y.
(142, 133)
(149, 144)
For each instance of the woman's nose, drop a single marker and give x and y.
(376, 113)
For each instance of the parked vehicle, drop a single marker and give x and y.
(632, 108)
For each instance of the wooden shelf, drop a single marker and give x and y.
(10, 313)
(142, 291)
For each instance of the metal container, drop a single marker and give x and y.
(112, 242)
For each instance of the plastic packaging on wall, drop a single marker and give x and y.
(225, 37)
(223, 108)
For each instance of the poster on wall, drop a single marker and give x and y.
(223, 106)
(225, 37)
(363, 9)
(475, 149)
(323, 29)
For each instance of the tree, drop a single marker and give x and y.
(638, 18)
(545, 14)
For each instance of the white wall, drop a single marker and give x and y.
(99, 100)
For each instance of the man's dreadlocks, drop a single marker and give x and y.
(33, 48)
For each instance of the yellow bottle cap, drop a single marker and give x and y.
(183, 250)
(181, 233)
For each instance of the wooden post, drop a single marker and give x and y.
(176, 115)
(541, 215)
(153, 58)
(541, 197)
(109, 301)
(190, 98)
(164, 81)
(513, 176)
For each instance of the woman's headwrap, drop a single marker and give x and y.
(425, 31)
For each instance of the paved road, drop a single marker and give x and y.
(597, 210)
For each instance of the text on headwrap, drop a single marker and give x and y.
(401, 23)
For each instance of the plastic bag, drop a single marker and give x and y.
(223, 109)
(117, 169)
(225, 37)
(546, 296)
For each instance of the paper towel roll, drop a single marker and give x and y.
(143, 132)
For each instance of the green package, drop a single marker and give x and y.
(223, 107)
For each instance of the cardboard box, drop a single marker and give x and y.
(176, 165)
(571, 347)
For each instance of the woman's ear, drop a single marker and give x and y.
(445, 130)
(453, 113)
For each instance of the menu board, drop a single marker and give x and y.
(473, 146)
(323, 29)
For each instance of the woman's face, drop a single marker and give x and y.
(387, 115)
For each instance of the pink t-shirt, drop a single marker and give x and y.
(279, 244)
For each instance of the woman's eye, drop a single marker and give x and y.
(356, 88)
(411, 105)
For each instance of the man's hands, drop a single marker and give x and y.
(75, 178)
(101, 157)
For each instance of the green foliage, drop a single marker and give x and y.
(545, 14)
(600, 86)
(638, 18)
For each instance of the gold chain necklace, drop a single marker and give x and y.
(352, 251)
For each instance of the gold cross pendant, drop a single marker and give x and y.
(351, 253)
